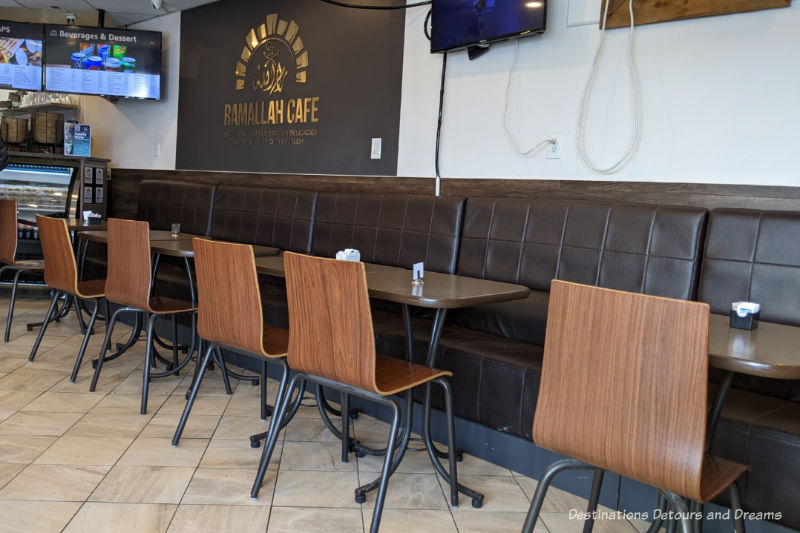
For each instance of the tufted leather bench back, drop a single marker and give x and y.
(755, 256)
(162, 202)
(263, 216)
(638, 248)
(390, 229)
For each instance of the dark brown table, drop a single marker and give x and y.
(162, 242)
(440, 292)
(73, 224)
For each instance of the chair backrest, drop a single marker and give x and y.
(228, 297)
(624, 384)
(8, 231)
(60, 270)
(330, 322)
(130, 268)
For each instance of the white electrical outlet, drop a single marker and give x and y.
(375, 152)
(553, 150)
(157, 149)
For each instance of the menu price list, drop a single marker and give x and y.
(21, 76)
(132, 84)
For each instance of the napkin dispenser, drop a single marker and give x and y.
(348, 254)
(744, 315)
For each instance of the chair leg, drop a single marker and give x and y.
(451, 439)
(272, 434)
(192, 395)
(11, 305)
(679, 506)
(736, 505)
(544, 484)
(594, 498)
(78, 314)
(104, 348)
(175, 341)
(49, 314)
(655, 525)
(85, 342)
(224, 370)
(148, 361)
(387, 465)
(263, 384)
(345, 410)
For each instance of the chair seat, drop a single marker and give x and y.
(395, 375)
(94, 288)
(29, 264)
(169, 306)
(718, 474)
(275, 341)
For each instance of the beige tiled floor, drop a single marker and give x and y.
(76, 461)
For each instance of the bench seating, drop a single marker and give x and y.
(495, 350)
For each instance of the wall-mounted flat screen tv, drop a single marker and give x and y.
(102, 61)
(21, 55)
(457, 24)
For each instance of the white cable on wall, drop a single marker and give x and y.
(505, 112)
(586, 93)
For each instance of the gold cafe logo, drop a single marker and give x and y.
(262, 68)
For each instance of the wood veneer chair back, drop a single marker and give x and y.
(330, 322)
(60, 269)
(130, 267)
(228, 297)
(624, 384)
(8, 231)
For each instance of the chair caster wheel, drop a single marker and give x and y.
(29, 328)
(353, 414)
(477, 503)
(360, 454)
(361, 497)
(94, 363)
(254, 383)
(459, 455)
(255, 443)
(188, 393)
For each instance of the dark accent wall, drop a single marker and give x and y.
(124, 189)
(297, 86)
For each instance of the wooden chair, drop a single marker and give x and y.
(129, 283)
(624, 389)
(332, 343)
(61, 274)
(230, 314)
(8, 254)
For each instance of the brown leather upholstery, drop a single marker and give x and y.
(269, 217)
(163, 202)
(638, 248)
(395, 230)
(755, 256)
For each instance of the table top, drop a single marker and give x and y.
(73, 224)
(771, 350)
(440, 291)
(162, 242)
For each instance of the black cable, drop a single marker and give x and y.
(441, 104)
(425, 24)
(354, 6)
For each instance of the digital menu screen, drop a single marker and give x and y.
(103, 61)
(21, 55)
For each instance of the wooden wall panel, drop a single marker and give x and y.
(124, 188)
(651, 11)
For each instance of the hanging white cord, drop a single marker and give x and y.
(505, 112)
(587, 89)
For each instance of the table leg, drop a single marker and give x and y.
(433, 346)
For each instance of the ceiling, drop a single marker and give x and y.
(119, 13)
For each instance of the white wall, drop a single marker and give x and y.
(128, 131)
(720, 101)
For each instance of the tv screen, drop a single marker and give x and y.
(21, 55)
(458, 24)
(102, 61)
